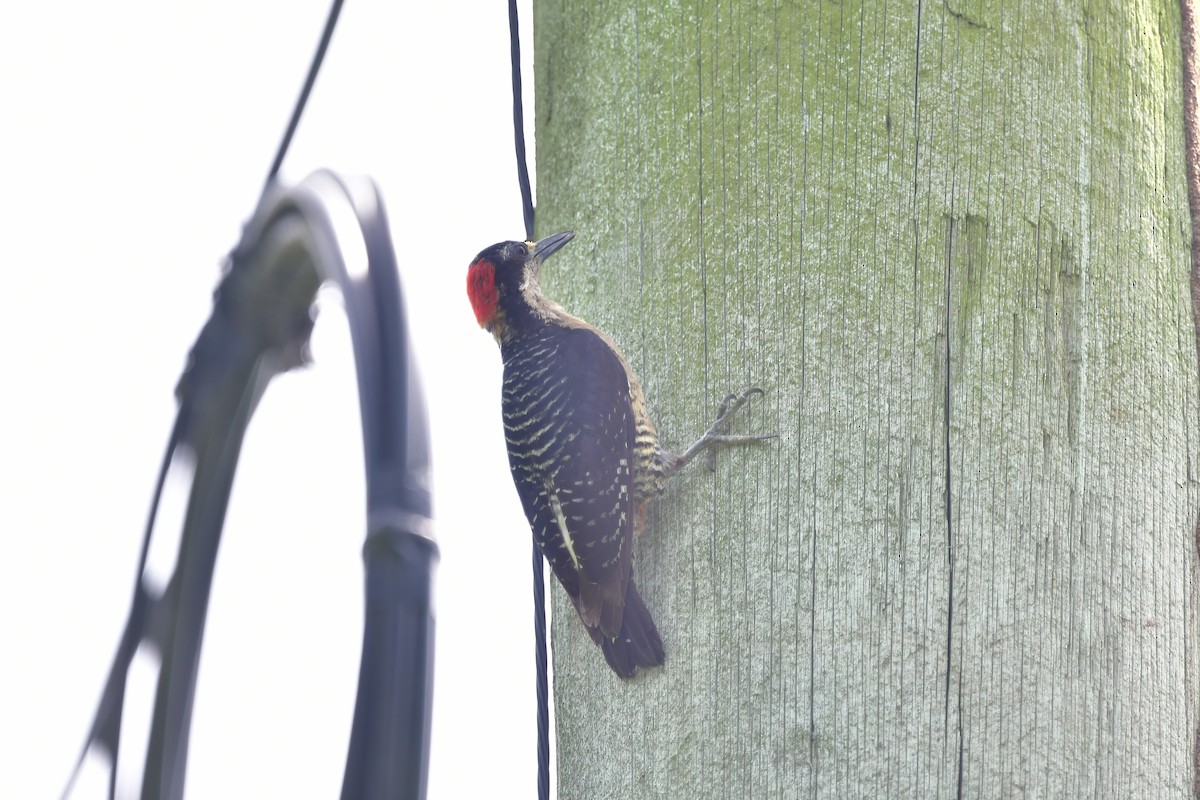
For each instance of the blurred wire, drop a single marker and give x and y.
(309, 81)
(259, 327)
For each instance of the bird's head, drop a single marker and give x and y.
(502, 284)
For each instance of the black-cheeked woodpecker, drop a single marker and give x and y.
(583, 451)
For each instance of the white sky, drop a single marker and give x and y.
(135, 139)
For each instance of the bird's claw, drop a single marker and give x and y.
(715, 435)
(730, 405)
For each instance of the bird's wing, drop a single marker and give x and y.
(571, 454)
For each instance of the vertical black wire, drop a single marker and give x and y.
(543, 688)
(539, 587)
(313, 69)
(519, 120)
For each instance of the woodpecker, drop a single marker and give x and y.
(583, 451)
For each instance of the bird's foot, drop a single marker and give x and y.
(716, 434)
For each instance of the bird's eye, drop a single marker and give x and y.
(520, 251)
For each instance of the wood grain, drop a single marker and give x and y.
(951, 241)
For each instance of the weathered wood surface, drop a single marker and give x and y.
(950, 239)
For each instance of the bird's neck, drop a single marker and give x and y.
(529, 316)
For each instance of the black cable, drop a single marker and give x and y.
(539, 586)
(309, 81)
(519, 120)
(543, 688)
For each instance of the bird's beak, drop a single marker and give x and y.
(544, 248)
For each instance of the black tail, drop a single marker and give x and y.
(638, 644)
